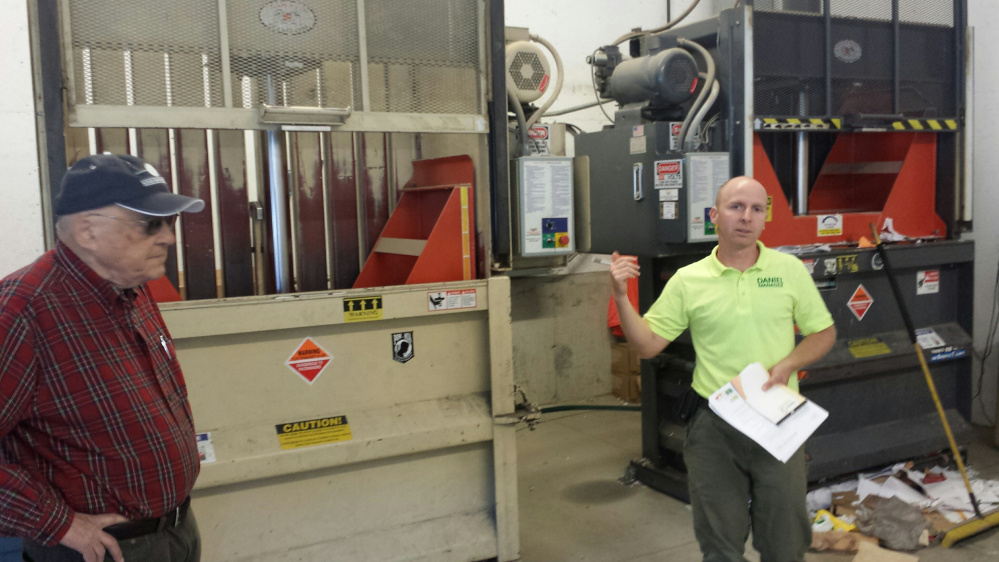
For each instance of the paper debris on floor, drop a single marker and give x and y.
(873, 553)
(904, 508)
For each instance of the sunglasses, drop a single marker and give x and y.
(150, 226)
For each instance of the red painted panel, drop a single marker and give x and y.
(234, 215)
(198, 240)
(911, 203)
(343, 209)
(310, 220)
(374, 187)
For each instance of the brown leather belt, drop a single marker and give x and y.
(134, 529)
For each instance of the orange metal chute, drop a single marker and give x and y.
(430, 236)
(867, 178)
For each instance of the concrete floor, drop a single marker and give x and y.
(572, 507)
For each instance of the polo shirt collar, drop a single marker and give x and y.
(717, 268)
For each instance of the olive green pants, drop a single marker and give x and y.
(734, 484)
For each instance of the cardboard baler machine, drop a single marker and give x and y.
(850, 115)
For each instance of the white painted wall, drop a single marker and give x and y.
(983, 15)
(577, 27)
(22, 237)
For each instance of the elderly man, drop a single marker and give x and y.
(741, 304)
(97, 447)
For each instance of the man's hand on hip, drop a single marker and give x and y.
(86, 536)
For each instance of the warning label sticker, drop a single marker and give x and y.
(362, 309)
(309, 360)
(669, 174)
(320, 431)
(860, 302)
(928, 282)
(451, 300)
(928, 338)
(867, 347)
(206, 451)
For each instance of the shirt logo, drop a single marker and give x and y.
(769, 282)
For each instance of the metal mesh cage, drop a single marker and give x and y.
(791, 83)
(424, 56)
(307, 50)
(417, 56)
(791, 46)
(128, 52)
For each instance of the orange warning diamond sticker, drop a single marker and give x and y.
(309, 360)
(860, 302)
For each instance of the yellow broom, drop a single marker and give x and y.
(979, 523)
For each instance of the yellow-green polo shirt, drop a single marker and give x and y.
(737, 318)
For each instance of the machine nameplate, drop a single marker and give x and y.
(319, 431)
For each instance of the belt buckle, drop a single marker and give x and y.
(176, 516)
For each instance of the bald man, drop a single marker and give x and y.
(98, 453)
(741, 304)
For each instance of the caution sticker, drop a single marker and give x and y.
(867, 347)
(362, 309)
(307, 433)
(309, 360)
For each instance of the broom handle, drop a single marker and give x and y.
(926, 370)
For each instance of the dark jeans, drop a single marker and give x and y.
(735, 483)
(177, 544)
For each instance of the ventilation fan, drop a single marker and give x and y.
(528, 70)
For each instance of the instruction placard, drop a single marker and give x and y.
(706, 172)
(307, 433)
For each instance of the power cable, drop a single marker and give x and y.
(596, 93)
(634, 34)
(989, 346)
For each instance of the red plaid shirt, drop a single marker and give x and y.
(94, 416)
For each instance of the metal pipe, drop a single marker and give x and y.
(896, 58)
(801, 183)
(278, 201)
(826, 7)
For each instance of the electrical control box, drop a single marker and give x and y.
(544, 221)
(646, 198)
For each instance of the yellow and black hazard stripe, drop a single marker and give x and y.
(773, 123)
(925, 125)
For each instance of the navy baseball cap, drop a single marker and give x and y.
(106, 179)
